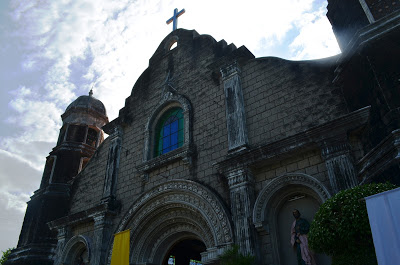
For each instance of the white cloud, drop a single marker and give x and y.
(18, 175)
(10, 224)
(70, 46)
(314, 40)
(18, 180)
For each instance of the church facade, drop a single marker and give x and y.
(215, 148)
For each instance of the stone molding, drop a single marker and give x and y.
(63, 232)
(260, 206)
(313, 137)
(169, 101)
(329, 151)
(186, 192)
(340, 165)
(81, 217)
(167, 239)
(101, 220)
(213, 254)
(239, 177)
(71, 248)
(183, 153)
(380, 158)
(230, 70)
(156, 234)
(234, 108)
(112, 166)
(189, 201)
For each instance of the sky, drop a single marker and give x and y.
(53, 51)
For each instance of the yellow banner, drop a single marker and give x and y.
(120, 252)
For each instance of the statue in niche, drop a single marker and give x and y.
(299, 240)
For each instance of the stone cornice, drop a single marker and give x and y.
(380, 158)
(53, 189)
(81, 217)
(182, 153)
(322, 135)
(230, 70)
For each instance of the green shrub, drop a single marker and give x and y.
(5, 256)
(341, 227)
(232, 256)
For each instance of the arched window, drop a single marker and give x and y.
(169, 131)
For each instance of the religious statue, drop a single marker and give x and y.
(299, 240)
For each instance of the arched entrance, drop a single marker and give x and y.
(298, 198)
(174, 212)
(185, 251)
(273, 209)
(76, 251)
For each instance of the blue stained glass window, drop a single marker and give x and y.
(169, 131)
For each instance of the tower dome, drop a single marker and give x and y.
(82, 122)
(86, 110)
(88, 102)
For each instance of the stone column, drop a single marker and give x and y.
(101, 239)
(339, 162)
(235, 113)
(242, 202)
(62, 235)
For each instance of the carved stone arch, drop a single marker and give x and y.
(171, 215)
(163, 247)
(167, 239)
(173, 210)
(272, 198)
(269, 191)
(74, 246)
(170, 100)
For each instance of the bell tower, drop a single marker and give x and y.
(79, 137)
(368, 32)
(349, 16)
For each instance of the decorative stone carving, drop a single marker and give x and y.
(341, 171)
(75, 245)
(235, 112)
(241, 187)
(212, 254)
(168, 207)
(307, 139)
(158, 223)
(260, 206)
(101, 236)
(167, 239)
(62, 235)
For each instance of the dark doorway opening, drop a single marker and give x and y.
(184, 251)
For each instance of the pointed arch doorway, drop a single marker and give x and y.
(185, 251)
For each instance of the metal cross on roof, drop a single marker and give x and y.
(174, 18)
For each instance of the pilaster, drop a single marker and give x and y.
(112, 169)
(63, 234)
(241, 185)
(101, 237)
(235, 112)
(339, 162)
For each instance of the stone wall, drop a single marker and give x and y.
(281, 99)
